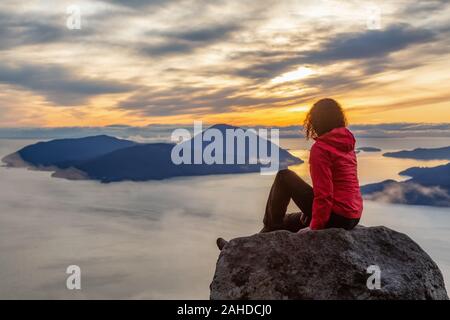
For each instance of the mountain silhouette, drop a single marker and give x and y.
(427, 186)
(422, 154)
(63, 153)
(109, 159)
(434, 176)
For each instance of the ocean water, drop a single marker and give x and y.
(156, 239)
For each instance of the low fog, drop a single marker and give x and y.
(147, 240)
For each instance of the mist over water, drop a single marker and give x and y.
(157, 239)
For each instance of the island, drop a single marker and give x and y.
(109, 159)
(427, 186)
(422, 154)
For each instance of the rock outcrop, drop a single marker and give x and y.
(326, 264)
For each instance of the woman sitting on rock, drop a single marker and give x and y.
(334, 200)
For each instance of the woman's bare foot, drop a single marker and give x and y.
(221, 242)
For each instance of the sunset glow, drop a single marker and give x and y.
(263, 62)
(298, 74)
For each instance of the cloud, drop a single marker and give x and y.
(178, 100)
(19, 30)
(205, 34)
(423, 8)
(162, 132)
(369, 46)
(411, 193)
(404, 104)
(334, 82)
(182, 41)
(200, 57)
(140, 4)
(398, 130)
(275, 65)
(58, 84)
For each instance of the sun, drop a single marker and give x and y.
(298, 109)
(300, 73)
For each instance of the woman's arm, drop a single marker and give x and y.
(322, 179)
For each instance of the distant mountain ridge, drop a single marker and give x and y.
(427, 186)
(422, 154)
(64, 153)
(109, 159)
(434, 176)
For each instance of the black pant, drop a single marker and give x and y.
(288, 185)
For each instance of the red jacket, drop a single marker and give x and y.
(333, 170)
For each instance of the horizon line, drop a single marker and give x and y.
(118, 125)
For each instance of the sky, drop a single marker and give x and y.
(261, 62)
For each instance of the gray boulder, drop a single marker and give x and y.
(326, 264)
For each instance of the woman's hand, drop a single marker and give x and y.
(304, 230)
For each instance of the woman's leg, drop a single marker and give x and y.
(287, 185)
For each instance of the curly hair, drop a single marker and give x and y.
(324, 116)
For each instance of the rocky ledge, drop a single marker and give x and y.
(365, 263)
